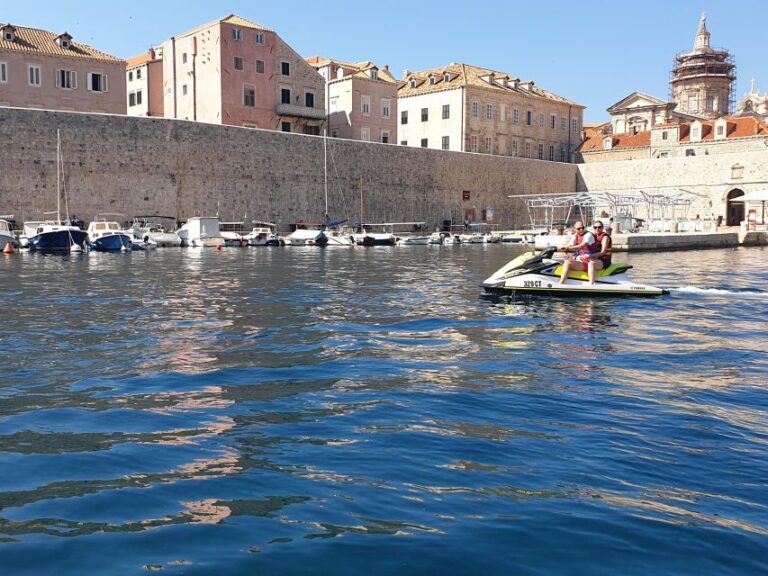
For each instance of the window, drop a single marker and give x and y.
(516, 116)
(138, 73)
(473, 143)
(385, 106)
(551, 153)
(446, 143)
(374, 74)
(97, 82)
(562, 154)
(446, 111)
(553, 121)
(236, 34)
(249, 96)
(285, 126)
(3, 72)
(693, 104)
(312, 130)
(309, 100)
(259, 66)
(365, 134)
(515, 151)
(663, 154)
(489, 111)
(424, 114)
(488, 144)
(446, 77)
(238, 63)
(575, 125)
(34, 76)
(413, 83)
(690, 152)
(694, 132)
(720, 130)
(132, 99)
(260, 38)
(184, 58)
(285, 68)
(385, 136)
(475, 109)
(403, 142)
(285, 95)
(424, 143)
(664, 135)
(528, 118)
(432, 80)
(130, 76)
(563, 123)
(541, 151)
(138, 97)
(527, 149)
(607, 143)
(66, 79)
(365, 105)
(404, 117)
(541, 120)
(184, 90)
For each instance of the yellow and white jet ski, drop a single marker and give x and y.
(540, 275)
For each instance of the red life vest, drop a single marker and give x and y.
(589, 248)
(606, 257)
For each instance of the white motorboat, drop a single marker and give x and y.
(263, 234)
(531, 274)
(6, 234)
(155, 231)
(105, 235)
(233, 233)
(414, 240)
(201, 231)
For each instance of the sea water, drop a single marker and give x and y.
(351, 410)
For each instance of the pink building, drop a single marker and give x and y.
(40, 69)
(362, 100)
(144, 82)
(236, 72)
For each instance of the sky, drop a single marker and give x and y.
(593, 52)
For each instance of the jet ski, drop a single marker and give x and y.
(532, 274)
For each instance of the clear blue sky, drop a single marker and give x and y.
(593, 52)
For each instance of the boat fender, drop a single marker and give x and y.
(8, 249)
(218, 247)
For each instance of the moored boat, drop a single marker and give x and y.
(106, 235)
(201, 231)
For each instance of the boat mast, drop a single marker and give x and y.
(58, 177)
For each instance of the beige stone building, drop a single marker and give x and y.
(362, 100)
(144, 83)
(45, 70)
(470, 109)
(639, 112)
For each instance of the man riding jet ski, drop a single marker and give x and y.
(532, 274)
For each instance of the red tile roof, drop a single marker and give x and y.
(594, 143)
(33, 40)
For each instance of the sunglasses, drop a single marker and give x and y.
(579, 228)
(598, 227)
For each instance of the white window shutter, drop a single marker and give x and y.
(104, 78)
(74, 80)
(58, 77)
(89, 81)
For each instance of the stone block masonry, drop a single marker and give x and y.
(170, 167)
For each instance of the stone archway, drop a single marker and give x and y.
(734, 210)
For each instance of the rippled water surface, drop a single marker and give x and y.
(346, 411)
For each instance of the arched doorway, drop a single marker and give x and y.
(735, 210)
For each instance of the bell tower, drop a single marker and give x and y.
(702, 81)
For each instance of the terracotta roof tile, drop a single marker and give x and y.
(352, 69)
(139, 60)
(33, 40)
(595, 143)
(466, 75)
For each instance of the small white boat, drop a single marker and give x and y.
(413, 240)
(306, 234)
(106, 235)
(6, 234)
(233, 233)
(155, 231)
(201, 231)
(263, 234)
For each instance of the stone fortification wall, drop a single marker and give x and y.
(709, 177)
(182, 169)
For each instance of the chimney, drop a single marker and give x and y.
(386, 67)
(151, 53)
(406, 72)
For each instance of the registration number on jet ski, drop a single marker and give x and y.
(531, 283)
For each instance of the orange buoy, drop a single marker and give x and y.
(218, 246)
(8, 249)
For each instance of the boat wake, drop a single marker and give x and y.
(718, 291)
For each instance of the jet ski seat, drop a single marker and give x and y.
(612, 270)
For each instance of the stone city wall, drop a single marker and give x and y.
(145, 166)
(709, 177)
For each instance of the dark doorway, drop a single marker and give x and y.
(735, 209)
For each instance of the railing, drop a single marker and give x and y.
(300, 111)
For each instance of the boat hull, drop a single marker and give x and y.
(111, 243)
(58, 240)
